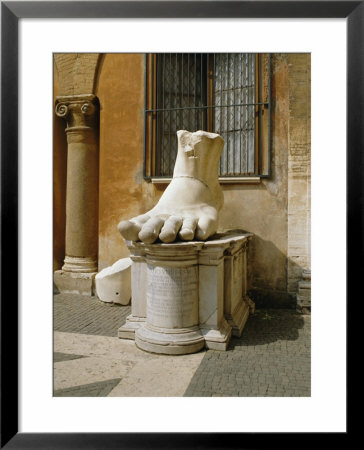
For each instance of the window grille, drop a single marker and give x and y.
(227, 93)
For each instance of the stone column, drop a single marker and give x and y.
(80, 264)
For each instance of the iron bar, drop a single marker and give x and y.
(145, 119)
(227, 113)
(202, 97)
(188, 88)
(234, 117)
(170, 101)
(269, 114)
(182, 99)
(207, 106)
(163, 118)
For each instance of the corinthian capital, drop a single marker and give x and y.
(78, 110)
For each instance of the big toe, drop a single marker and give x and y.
(129, 230)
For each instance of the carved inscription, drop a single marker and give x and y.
(172, 296)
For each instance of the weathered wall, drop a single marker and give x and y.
(299, 168)
(261, 208)
(120, 91)
(59, 183)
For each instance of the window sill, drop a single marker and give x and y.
(222, 180)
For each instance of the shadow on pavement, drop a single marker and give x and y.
(267, 325)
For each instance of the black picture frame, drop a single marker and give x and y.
(11, 12)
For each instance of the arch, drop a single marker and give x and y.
(77, 72)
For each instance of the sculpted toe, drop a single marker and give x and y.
(186, 234)
(170, 229)
(129, 230)
(187, 231)
(150, 230)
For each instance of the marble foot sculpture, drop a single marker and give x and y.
(189, 207)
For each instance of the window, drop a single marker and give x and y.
(226, 93)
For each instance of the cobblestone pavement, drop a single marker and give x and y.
(87, 315)
(270, 359)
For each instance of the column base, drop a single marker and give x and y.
(75, 283)
(166, 341)
(132, 324)
(79, 264)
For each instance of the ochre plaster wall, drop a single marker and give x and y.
(260, 209)
(123, 193)
(269, 209)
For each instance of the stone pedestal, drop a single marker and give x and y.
(172, 319)
(187, 295)
(80, 264)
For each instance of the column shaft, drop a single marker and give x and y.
(82, 201)
(81, 115)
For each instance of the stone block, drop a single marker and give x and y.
(75, 283)
(113, 284)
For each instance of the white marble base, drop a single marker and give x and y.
(169, 341)
(187, 295)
